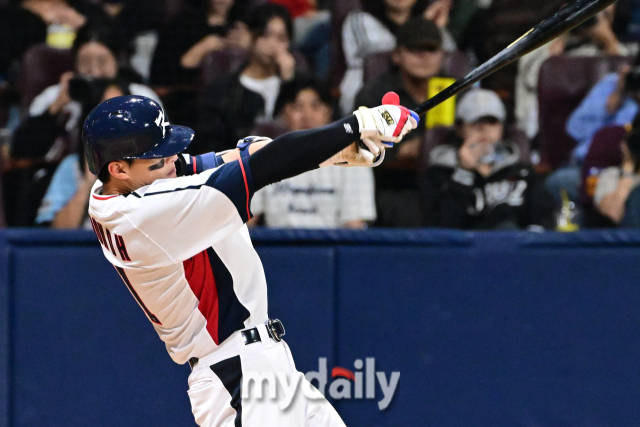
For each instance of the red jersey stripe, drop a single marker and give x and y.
(246, 187)
(95, 196)
(199, 275)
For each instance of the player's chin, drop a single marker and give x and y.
(172, 173)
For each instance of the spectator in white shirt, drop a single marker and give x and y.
(328, 197)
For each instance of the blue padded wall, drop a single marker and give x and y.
(486, 329)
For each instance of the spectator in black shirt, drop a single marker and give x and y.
(235, 103)
(482, 182)
(417, 58)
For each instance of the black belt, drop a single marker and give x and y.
(275, 329)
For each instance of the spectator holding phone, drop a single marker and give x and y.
(481, 181)
(234, 104)
(58, 109)
(613, 101)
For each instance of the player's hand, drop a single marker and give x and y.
(384, 125)
(353, 155)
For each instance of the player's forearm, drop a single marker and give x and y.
(298, 152)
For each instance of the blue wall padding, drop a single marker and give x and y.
(486, 329)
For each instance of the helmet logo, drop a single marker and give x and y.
(161, 122)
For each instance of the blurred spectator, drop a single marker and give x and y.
(612, 101)
(311, 32)
(65, 204)
(186, 41)
(482, 182)
(594, 37)
(616, 183)
(28, 22)
(417, 58)
(55, 118)
(328, 197)
(233, 104)
(57, 110)
(374, 30)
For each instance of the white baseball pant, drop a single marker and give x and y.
(253, 386)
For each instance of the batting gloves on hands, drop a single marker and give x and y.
(379, 127)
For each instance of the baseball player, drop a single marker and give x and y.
(173, 226)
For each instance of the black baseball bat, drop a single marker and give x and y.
(562, 21)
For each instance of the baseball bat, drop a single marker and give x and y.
(562, 21)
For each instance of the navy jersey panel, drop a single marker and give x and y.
(231, 313)
(235, 181)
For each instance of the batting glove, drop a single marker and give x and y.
(382, 126)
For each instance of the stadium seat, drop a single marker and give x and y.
(604, 152)
(454, 64)
(41, 68)
(563, 83)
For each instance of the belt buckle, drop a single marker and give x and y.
(275, 328)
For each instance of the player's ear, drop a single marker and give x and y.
(119, 169)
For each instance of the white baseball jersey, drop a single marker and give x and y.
(182, 248)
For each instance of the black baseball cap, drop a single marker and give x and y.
(419, 33)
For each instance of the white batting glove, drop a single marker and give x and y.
(383, 126)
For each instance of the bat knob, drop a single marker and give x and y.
(391, 98)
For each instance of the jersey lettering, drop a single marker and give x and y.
(121, 248)
(104, 236)
(109, 240)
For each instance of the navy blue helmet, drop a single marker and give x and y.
(130, 127)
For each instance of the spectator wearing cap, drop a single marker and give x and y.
(417, 58)
(615, 184)
(328, 197)
(481, 181)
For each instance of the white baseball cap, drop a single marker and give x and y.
(478, 103)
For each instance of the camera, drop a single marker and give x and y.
(87, 90)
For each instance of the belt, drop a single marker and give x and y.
(275, 329)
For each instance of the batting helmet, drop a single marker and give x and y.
(130, 127)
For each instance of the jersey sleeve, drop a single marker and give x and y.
(186, 215)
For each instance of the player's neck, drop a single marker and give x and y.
(113, 188)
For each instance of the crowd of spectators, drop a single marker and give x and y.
(232, 68)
